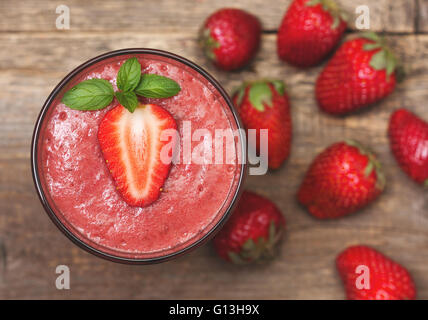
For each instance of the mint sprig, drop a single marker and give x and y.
(95, 94)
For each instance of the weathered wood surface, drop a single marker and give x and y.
(33, 60)
(172, 16)
(422, 16)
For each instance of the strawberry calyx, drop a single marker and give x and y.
(426, 183)
(373, 163)
(208, 43)
(331, 7)
(260, 250)
(385, 58)
(260, 93)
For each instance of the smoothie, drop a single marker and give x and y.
(82, 193)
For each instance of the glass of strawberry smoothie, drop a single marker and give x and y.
(79, 194)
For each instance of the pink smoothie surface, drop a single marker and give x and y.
(84, 195)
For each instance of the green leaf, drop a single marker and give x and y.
(155, 86)
(371, 36)
(249, 245)
(279, 86)
(371, 46)
(208, 43)
(259, 95)
(369, 169)
(92, 94)
(127, 99)
(426, 183)
(378, 61)
(240, 91)
(336, 22)
(235, 258)
(391, 62)
(129, 75)
(272, 232)
(312, 3)
(344, 16)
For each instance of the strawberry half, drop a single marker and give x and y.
(131, 145)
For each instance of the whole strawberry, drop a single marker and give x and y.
(252, 231)
(264, 105)
(369, 275)
(362, 72)
(309, 31)
(408, 136)
(230, 38)
(341, 180)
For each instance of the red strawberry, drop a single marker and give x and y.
(230, 38)
(362, 72)
(342, 179)
(265, 105)
(309, 31)
(385, 279)
(251, 232)
(409, 143)
(131, 146)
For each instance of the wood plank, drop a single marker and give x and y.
(396, 224)
(422, 17)
(166, 16)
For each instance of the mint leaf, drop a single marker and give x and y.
(127, 99)
(129, 75)
(155, 86)
(259, 95)
(92, 94)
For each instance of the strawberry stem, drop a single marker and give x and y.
(208, 43)
(331, 7)
(385, 58)
(373, 163)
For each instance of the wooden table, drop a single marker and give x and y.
(35, 56)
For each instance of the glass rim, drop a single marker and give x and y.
(42, 195)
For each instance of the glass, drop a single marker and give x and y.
(48, 203)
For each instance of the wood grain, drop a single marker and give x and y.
(397, 223)
(422, 17)
(167, 16)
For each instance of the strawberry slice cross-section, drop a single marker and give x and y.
(132, 145)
